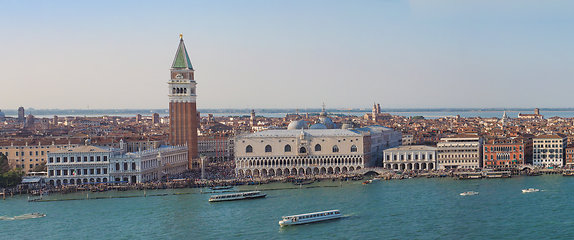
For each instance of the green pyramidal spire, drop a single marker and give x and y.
(181, 58)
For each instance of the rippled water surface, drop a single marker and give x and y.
(406, 209)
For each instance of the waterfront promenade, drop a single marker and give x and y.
(359, 175)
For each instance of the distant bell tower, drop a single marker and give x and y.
(21, 115)
(183, 119)
(252, 118)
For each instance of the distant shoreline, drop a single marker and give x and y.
(111, 112)
(431, 113)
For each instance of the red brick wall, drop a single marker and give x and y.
(183, 127)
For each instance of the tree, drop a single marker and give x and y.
(4, 166)
(8, 177)
(40, 168)
(11, 179)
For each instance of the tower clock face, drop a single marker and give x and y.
(179, 76)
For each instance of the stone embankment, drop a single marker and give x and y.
(297, 180)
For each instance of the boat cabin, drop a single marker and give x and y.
(311, 215)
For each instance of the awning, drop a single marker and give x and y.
(32, 180)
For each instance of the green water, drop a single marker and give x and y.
(400, 209)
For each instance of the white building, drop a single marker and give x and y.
(301, 152)
(80, 165)
(417, 157)
(462, 151)
(149, 165)
(91, 164)
(548, 150)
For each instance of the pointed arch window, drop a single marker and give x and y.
(335, 148)
(302, 150)
(249, 149)
(353, 148)
(268, 148)
(318, 148)
(287, 148)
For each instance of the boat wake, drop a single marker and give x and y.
(349, 215)
(23, 216)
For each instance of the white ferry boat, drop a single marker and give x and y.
(530, 190)
(469, 193)
(237, 196)
(310, 217)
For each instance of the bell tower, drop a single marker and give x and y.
(183, 119)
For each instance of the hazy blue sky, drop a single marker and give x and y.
(276, 54)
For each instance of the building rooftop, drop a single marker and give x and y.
(82, 149)
(181, 60)
(412, 148)
(555, 136)
(375, 128)
(310, 132)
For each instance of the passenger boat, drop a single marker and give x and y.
(468, 175)
(530, 190)
(497, 174)
(368, 182)
(469, 193)
(237, 196)
(310, 217)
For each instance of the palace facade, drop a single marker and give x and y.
(462, 151)
(317, 151)
(417, 157)
(92, 164)
(300, 152)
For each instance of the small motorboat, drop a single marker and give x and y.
(23, 216)
(469, 193)
(368, 182)
(530, 190)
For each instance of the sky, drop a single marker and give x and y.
(289, 53)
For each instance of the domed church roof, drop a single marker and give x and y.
(327, 122)
(299, 124)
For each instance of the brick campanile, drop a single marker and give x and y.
(183, 119)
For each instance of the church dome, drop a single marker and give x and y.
(299, 124)
(327, 122)
(318, 126)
